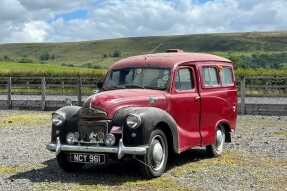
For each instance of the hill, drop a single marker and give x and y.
(255, 49)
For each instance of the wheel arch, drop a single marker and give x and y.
(171, 140)
(227, 129)
(152, 118)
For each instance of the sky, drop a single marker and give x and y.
(80, 20)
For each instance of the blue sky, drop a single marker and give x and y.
(75, 14)
(77, 20)
(84, 13)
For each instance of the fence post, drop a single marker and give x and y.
(79, 91)
(242, 95)
(9, 93)
(43, 96)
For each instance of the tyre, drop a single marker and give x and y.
(64, 164)
(216, 149)
(155, 160)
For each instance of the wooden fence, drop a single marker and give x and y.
(45, 87)
(49, 90)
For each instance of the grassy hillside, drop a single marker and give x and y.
(100, 54)
(250, 51)
(33, 69)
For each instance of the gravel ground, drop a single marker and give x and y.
(249, 100)
(255, 160)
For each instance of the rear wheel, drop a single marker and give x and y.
(66, 165)
(216, 149)
(156, 158)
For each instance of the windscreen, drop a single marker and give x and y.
(148, 78)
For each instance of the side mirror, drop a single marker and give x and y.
(100, 85)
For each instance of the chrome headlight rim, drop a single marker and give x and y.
(133, 121)
(58, 118)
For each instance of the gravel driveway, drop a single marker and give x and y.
(255, 160)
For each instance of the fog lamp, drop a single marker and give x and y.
(110, 139)
(71, 138)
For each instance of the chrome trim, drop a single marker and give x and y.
(120, 150)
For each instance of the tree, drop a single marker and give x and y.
(44, 56)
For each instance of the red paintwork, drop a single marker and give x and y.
(112, 101)
(197, 112)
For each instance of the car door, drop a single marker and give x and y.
(185, 107)
(218, 99)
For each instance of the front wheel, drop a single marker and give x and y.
(156, 158)
(66, 165)
(216, 149)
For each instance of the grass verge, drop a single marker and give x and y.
(27, 119)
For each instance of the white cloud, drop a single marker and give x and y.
(34, 31)
(29, 20)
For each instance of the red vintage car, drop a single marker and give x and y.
(149, 107)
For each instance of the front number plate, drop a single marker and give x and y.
(87, 158)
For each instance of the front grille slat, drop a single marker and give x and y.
(93, 126)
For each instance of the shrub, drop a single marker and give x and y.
(116, 54)
(44, 56)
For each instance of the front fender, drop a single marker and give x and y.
(70, 124)
(151, 118)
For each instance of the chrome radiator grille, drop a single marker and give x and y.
(93, 126)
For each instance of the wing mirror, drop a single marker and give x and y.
(99, 86)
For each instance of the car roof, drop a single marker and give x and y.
(168, 60)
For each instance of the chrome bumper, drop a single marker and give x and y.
(120, 150)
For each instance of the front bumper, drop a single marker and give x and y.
(120, 150)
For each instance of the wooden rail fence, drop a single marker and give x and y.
(78, 87)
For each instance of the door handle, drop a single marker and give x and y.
(197, 98)
(234, 108)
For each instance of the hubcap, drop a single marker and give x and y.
(219, 137)
(219, 140)
(158, 153)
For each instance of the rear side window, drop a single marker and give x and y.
(184, 79)
(226, 76)
(210, 76)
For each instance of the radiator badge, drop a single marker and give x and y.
(152, 99)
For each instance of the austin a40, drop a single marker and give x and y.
(150, 107)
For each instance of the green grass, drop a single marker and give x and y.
(281, 133)
(27, 119)
(247, 50)
(33, 69)
(249, 72)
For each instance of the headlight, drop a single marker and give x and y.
(58, 119)
(133, 121)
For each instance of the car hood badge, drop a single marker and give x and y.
(152, 99)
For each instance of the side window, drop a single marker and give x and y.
(226, 76)
(184, 79)
(210, 76)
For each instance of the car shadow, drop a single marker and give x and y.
(114, 173)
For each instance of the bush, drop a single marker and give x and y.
(44, 56)
(68, 65)
(116, 54)
(25, 60)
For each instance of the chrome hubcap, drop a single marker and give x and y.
(158, 153)
(219, 137)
